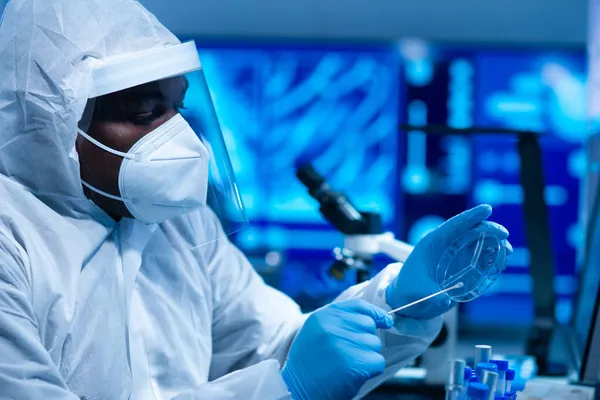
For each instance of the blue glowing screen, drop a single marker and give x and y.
(339, 107)
(280, 108)
(544, 92)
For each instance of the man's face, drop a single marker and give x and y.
(121, 119)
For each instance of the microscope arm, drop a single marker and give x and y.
(370, 245)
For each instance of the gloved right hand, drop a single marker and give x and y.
(336, 351)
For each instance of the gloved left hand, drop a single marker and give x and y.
(417, 276)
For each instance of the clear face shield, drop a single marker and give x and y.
(147, 152)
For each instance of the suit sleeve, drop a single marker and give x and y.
(26, 369)
(252, 321)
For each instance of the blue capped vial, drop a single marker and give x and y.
(476, 258)
(478, 391)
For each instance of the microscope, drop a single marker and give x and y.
(363, 239)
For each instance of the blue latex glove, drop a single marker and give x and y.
(417, 276)
(336, 351)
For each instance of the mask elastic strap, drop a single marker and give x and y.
(133, 200)
(103, 193)
(136, 157)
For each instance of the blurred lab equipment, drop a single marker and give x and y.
(483, 353)
(478, 391)
(484, 367)
(501, 374)
(468, 374)
(502, 368)
(490, 379)
(364, 236)
(510, 377)
(487, 375)
(456, 381)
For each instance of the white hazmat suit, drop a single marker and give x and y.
(85, 311)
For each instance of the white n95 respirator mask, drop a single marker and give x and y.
(164, 174)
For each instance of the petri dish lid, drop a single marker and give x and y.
(476, 258)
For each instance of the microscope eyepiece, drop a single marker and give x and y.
(309, 177)
(337, 209)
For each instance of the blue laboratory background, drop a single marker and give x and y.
(544, 92)
(535, 90)
(339, 107)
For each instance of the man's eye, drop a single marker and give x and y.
(145, 118)
(142, 119)
(142, 114)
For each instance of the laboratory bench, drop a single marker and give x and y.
(394, 392)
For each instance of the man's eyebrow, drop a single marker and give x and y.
(141, 96)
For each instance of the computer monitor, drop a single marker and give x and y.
(586, 319)
(589, 371)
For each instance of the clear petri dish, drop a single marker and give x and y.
(476, 258)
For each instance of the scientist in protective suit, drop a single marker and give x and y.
(116, 280)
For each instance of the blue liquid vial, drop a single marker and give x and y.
(476, 258)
